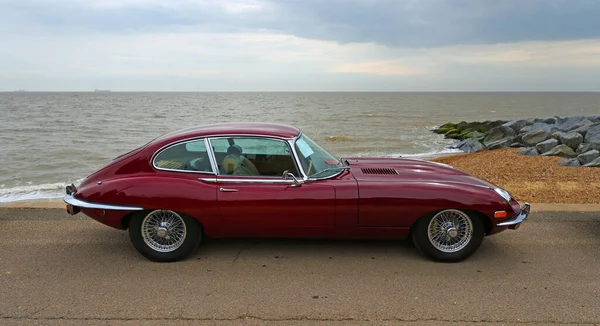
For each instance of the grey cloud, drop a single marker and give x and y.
(431, 23)
(407, 23)
(423, 23)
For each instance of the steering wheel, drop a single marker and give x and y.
(199, 164)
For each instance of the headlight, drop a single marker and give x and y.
(503, 193)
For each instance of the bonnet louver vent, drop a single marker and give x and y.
(378, 171)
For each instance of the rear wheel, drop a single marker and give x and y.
(448, 236)
(164, 235)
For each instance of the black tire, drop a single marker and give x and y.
(186, 245)
(421, 239)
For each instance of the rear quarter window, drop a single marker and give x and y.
(188, 156)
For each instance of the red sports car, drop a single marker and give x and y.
(271, 180)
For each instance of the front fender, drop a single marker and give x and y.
(402, 203)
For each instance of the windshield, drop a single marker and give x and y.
(315, 160)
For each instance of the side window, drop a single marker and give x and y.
(253, 156)
(188, 156)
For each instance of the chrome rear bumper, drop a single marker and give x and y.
(516, 222)
(69, 199)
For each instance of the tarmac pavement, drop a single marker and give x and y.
(57, 269)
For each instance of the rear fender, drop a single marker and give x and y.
(181, 194)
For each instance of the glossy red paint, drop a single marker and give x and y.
(317, 208)
(418, 188)
(354, 204)
(247, 128)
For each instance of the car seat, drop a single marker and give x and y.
(235, 163)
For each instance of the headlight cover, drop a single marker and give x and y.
(503, 193)
(443, 164)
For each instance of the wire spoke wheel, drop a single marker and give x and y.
(450, 230)
(163, 230)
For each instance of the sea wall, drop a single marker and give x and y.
(576, 139)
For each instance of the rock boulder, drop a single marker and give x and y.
(471, 146)
(546, 145)
(561, 150)
(570, 162)
(533, 137)
(498, 133)
(584, 148)
(556, 135)
(592, 137)
(595, 163)
(500, 143)
(516, 125)
(588, 156)
(529, 151)
(572, 123)
(594, 118)
(549, 128)
(518, 138)
(571, 139)
(583, 129)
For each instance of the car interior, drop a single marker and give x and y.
(232, 161)
(235, 162)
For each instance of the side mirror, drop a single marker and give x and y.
(287, 174)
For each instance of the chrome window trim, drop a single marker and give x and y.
(304, 175)
(329, 177)
(166, 147)
(246, 180)
(291, 144)
(211, 156)
(184, 171)
(279, 139)
(211, 180)
(223, 135)
(205, 137)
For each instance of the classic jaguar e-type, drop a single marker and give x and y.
(271, 180)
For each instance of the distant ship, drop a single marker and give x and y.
(20, 91)
(102, 90)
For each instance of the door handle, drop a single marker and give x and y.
(227, 190)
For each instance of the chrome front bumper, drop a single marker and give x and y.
(516, 222)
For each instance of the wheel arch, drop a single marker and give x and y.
(419, 236)
(127, 218)
(487, 224)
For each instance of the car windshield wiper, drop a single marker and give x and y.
(329, 169)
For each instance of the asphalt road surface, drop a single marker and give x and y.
(62, 270)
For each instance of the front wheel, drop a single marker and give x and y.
(164, 235)
(448, 236)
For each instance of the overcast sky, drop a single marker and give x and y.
(300, 45)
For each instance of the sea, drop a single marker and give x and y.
(49, 140)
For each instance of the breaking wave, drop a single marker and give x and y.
(33, 192)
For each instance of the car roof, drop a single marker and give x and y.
(232, 128)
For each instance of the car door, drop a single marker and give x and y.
(256, 198)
